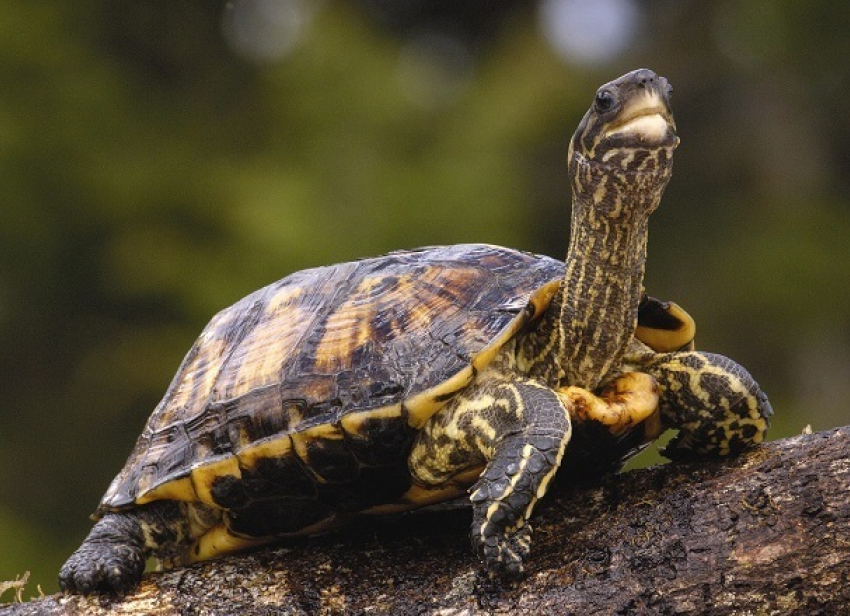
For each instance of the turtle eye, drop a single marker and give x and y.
(604, 101)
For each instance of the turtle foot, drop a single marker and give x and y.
(110, 560)
(503, 555)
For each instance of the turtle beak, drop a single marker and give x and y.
(646, 117)
(647, 120)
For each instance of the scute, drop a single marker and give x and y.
(377, 343)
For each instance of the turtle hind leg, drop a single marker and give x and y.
(112, 557)
(717, 406)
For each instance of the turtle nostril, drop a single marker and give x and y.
(645, 78)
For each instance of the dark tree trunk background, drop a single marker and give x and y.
(765, 533)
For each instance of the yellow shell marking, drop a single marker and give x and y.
(219, 540)
(389, 307)
(204, 475)
(256, 361)
(198, 376)
(423, 405)
(277, 447)
(420, 496)
(301, 441)
(542, 297)
(353, 423)
(665, 340)
(179, 489)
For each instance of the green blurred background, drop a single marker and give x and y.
(160, 160)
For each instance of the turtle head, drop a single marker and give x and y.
(620, 161)
(628, 134)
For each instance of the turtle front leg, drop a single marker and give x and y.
(516, 431)
(529, 444)
(507, 437)
(716, 405)
(112, 557)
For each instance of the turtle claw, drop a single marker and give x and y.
(503, 553)
(510, 552)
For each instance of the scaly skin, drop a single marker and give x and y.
(617, 181)
(716, 405)
(517, 429)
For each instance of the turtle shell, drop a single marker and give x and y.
(311, 381)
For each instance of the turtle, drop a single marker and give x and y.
(421, 376)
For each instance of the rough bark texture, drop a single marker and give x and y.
(765, 533)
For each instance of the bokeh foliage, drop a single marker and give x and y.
(151, 176)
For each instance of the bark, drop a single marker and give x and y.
(765, 533)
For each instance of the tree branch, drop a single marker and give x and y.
(767, 532)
